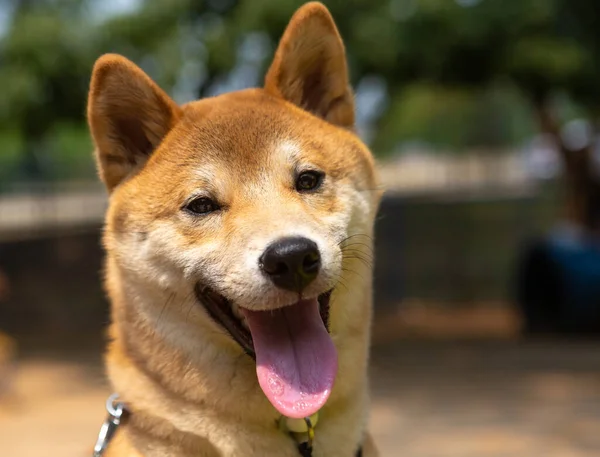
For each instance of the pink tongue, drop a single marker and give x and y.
(296, 361)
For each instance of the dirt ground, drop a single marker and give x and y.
(430, 399)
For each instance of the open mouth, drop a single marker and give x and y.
(229, 316)
(296, 361)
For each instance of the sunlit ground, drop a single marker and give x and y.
(494, 398)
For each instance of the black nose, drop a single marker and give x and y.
(291, 263)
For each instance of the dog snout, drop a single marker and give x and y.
(291, 263)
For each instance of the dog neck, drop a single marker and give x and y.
(189, 386)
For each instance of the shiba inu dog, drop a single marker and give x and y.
(238, 240)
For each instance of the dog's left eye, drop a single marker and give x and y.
(308, 180)
(202, 205)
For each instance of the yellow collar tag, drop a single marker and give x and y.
(300, 425)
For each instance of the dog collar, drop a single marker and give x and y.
(302, 430)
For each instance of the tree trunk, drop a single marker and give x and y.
(582, 188)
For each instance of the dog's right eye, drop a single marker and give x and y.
(202, 205)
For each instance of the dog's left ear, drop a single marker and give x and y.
(309, 68)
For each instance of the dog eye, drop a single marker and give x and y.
(308, 180)
(202, 205)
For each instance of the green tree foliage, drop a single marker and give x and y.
(456, 73)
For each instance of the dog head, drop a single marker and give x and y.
(253, 201)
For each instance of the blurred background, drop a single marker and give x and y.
(484, 117)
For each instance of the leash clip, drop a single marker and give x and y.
(115, 411)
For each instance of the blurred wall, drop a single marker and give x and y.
(443, 250)
(54, 285)
(455, 248)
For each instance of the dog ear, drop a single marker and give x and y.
(309, 68)
(128, 115)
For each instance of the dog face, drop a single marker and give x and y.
(237, 175)
(253, 201)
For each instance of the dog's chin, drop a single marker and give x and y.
(229, 315)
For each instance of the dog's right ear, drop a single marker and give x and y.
(128, 115)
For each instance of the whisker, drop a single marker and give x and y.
(357, 243)
(353, 272)
(358, 255)
(365, 263)
(341, 284)
(339, 280)
(369, 255)
(354, 236)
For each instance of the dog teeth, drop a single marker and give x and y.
(245, 324)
